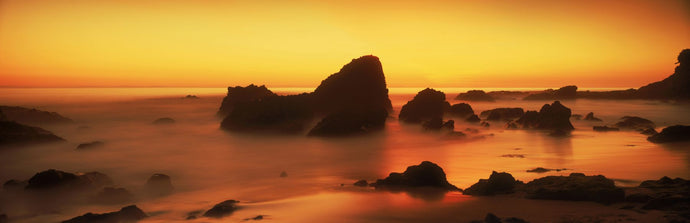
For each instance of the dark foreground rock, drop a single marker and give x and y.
(159, 184)
(426, 174)
(550, 117)
(163, 121)
(676, 133)
(563, 93)
(663, 194)
(241, 95)
(15, 134)
(56, 179)
(474, 95)
(30, 116)
(576, 187)
(635, 123)
(428, 104)
(222, 209)
(502, 114)
(498, 183)
(126, 214)
(90, 145)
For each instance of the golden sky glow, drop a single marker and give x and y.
(494, 43)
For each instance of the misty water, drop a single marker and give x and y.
(209, 165)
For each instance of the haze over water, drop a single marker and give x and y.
(209, 165)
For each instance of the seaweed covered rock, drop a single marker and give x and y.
(563, 93)
(428, 104)
(635, 123)
(474, 95)
(32, 116)
(461, 110)
(502, 114)
(127, 214)
(550, 117)
(239, 95)
(576, 187)
(426, 174)
(15, 134)
(222, 209)
(676, 133)
(350, 123)
(498, 183)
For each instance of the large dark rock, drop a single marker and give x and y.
(222, 209)
(428, 104)
(576, 187)
(676, 133)
(550, 117)
(127, 214)
(159, 184)
(15, 134)
(563, 93)
(474, 95)
(240, 95)
(56, 179)
(352, 101)
(31, 116)
(498, 183)
(635, 123)
(426, 174)
(502, 114)
(461, 110)
(676, 86)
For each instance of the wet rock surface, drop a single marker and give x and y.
(222, 209)
(676, 133)
(428, 104)
(498, 183)
(126, 214)
(575, 187)
(474, 95)
(426, 174)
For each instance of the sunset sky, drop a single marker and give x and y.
(494, 43)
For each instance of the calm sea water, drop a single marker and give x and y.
(208, 165)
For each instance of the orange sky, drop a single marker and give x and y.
(491, 43)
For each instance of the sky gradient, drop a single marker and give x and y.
(494, 43)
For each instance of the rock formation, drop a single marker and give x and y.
(240, 95)
(426, 174)
(32, 116)
(550, 117)
(563, 93)
(635, 123)
(676, 86)
(428, 104)
(676, 133)
(498, 183)
(474, 95)
(127, 214)
(461, 110)
(576, 187)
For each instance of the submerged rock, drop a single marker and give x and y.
(237, 96)
(474, 95)
(426, 174)
(461, 110)
(676, 133)
(551, 117)
(159, 184)
(30, 116)
(90, 145)
(222, 209)
(163, 121)
(502, 114)
(15, 134)
(428, 104)
(590, 117)
(635, 123)
(498, 183)
(576, 187)
(127, 214)
(604, 128)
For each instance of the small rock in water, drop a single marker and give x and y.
(513, 155)
(164, 121)
(361, 183)
(676, 133)
(90, 145)
(283, 174)
(426, 174)
(222, 209)
(190, 96)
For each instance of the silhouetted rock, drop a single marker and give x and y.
(649, 132)
(237, 96)
(426, 174)
(590, 117)
(55, 179)
(676, 86)
(543, 170)
(273, 114)
(461, 110)
(91, 145)
(473, 119)
(635, 123)
(361, 183)
(189, 96)
(676, 133)
(283, 174)
(498, 183)
(113, 195)
(159, 184)
(576, 187)
(428, 104)
(222, 209)
(164, 121)
(474, 95)
(33, 116)
(437, 124)
(502, 114)
(563, 93)
(127, 214)
(350, 123)
(15, 134)
(604, 128)
(550, 117)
